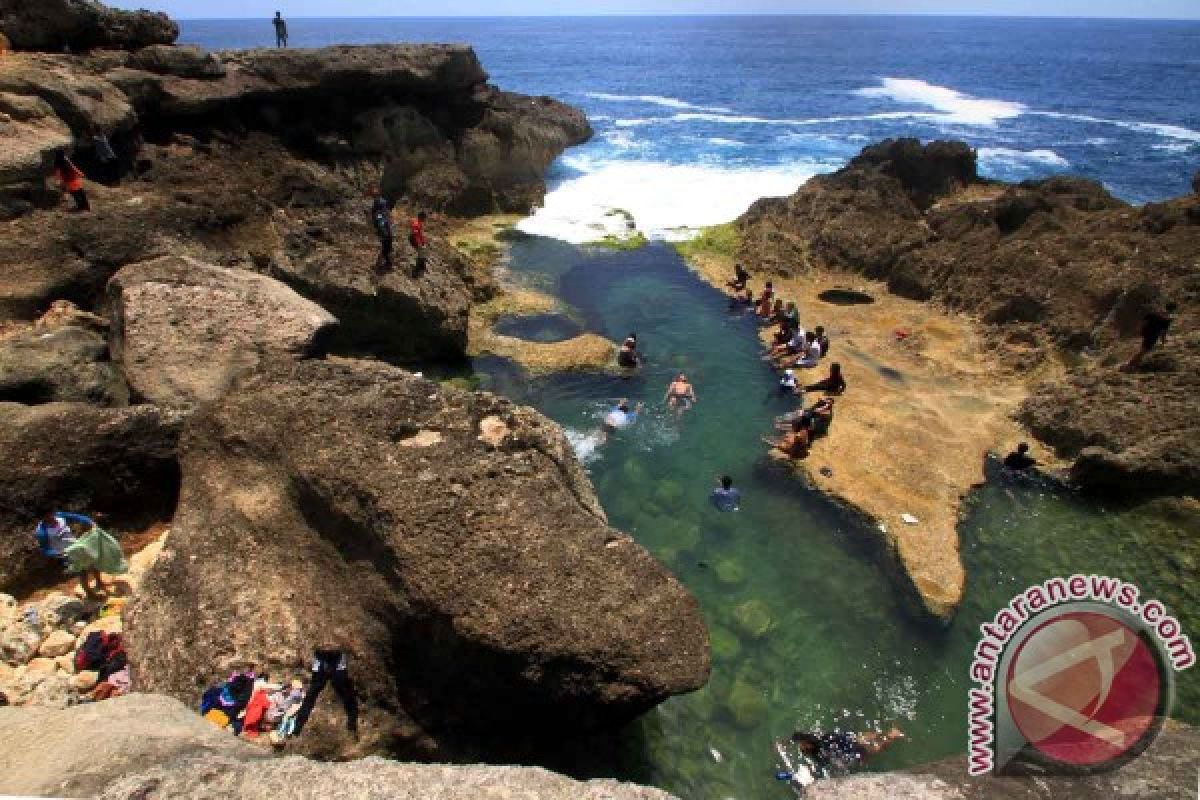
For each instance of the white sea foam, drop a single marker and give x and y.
(586, 444)
(665, 199)
(952, 106)
(1007, 157)
(719, 142)
(1153, 128)
(656, 100)
(1172, 147)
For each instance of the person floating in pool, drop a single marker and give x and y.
(725, 497)
(681, 396)
(836, 753)
(621, 416)
(628, 356)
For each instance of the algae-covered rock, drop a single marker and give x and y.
(725, 644)
(753, 618)
(747, 703)
(730, 572)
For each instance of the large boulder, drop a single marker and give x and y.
(78, 751)
(926, 172)
(449, 541)
(222, 778)
(61, 358)
(182, 330)
(73, 457)
(53, 25)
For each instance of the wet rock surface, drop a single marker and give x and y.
(449, 541)
(1058, 269)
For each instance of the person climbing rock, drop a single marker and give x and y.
(1155, 325)
(416, 238)
(54, 536)
(281, 31)
(70, 179)
(330, 665)
(381, 218)
(725, 497)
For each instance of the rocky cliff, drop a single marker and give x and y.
(1059, 270)
(76, 25)
(262, 160)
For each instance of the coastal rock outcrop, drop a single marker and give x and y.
(70, 456)
(183, 330)
(1055, 267)
(449, 541)
(53, 25)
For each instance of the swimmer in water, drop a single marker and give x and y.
(628, 356)
(680, 394)
(618, 418)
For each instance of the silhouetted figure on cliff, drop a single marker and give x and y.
(281, 32)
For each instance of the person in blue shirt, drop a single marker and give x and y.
(725, 497)
(54, 535)
(619, 418)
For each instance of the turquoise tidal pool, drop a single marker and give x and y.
(807, 629)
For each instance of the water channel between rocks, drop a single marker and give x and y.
(807, 630)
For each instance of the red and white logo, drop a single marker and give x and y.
(1085, 689)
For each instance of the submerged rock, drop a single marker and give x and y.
(471, 573)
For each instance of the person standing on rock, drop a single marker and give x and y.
(1154, 330)
(281, 31)
(70, 179)
(381, 218)
(416, 238)
(330, 665)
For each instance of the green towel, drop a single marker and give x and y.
(97, 549)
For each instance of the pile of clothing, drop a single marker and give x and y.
(104, 654)
(252, 705)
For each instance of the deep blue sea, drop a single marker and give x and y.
(698, 116)
(695, 119)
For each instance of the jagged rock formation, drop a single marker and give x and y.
(449, 540)
(182, 330)
(1059, 267)
(154, 746)
(53, 25)
(69, 456)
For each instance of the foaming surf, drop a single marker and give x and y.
(991, 158)
(952, 105)
(667, 201)
(656, 100)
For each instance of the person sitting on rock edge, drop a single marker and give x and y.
(796, 442)
(833, 383)
(740, 276)
(1019, 460)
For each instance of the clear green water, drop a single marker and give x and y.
(807, 630)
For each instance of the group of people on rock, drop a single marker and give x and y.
(793, 348)
(381, 218)
(251, 705)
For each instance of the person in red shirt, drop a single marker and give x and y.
(70, 178)
(418, 241)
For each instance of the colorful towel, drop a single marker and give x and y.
(97, 550)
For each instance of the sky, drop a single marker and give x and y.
(220, 9)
